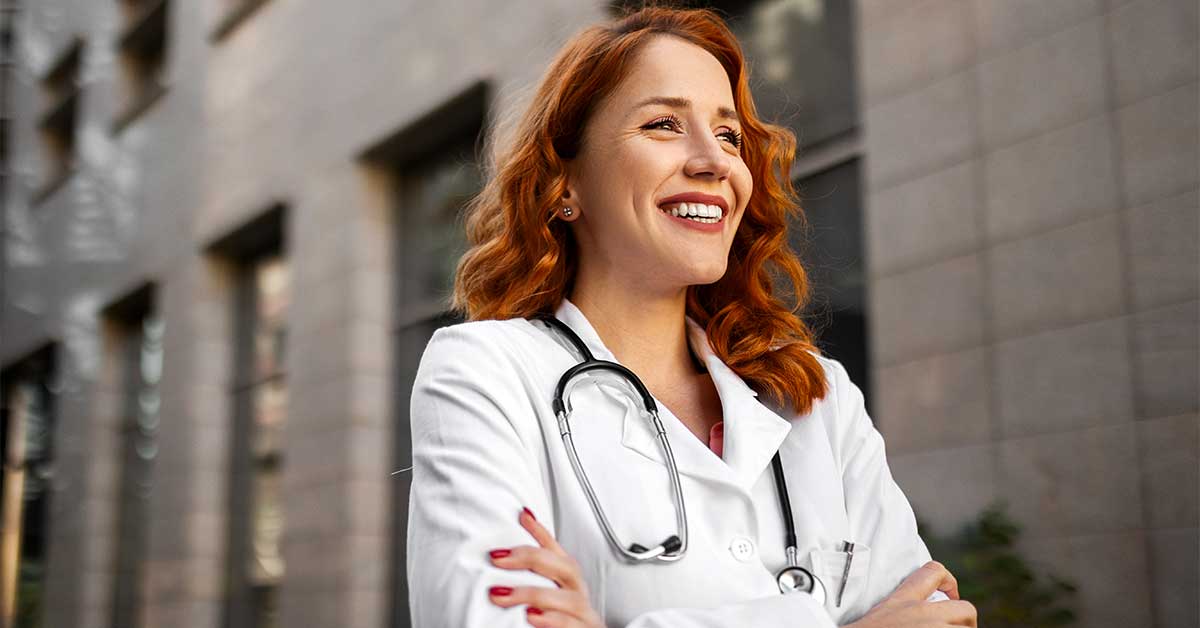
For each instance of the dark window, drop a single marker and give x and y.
(141, 47)
(140, 343)
(433, 174)
(832, 248)
(29, 395)
(260, 396)
(61, 92)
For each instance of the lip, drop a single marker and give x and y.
(697, 197)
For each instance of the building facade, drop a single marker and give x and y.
(230, 227)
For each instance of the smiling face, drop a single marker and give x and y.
(668, 129)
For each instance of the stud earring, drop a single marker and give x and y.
(567, 211)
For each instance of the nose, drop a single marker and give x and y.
(708, 159)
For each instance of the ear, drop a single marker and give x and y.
(570, 197)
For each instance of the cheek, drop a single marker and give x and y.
(743, 183)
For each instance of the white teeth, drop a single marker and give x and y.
(696, 211)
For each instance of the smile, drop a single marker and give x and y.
(696, 211)
(695, 215)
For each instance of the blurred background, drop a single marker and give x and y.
(230, 227)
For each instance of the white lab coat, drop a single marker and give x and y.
(486, 442)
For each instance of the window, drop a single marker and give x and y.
(61, 94)
(233, 13)
(29, 393)
(141, 47)
(263, 295)
(139, 340)
(832, 250)
(432, 174)
(8, 15)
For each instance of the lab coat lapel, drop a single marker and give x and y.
(753, 432)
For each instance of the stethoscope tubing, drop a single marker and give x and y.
(676, 546)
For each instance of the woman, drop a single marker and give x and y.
(644, 205)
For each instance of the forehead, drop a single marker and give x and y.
(672, 67)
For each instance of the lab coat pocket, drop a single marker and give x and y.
(830, 566)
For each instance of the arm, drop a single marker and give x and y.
(474, 468)
(472, 474)
(875, 505)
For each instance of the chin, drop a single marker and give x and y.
(707, 275)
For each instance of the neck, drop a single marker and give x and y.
(645, 329)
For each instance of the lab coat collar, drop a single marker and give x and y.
(753, 432)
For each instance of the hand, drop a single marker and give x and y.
(564, 607)
(907, 607)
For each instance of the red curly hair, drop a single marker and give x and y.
(522, 260)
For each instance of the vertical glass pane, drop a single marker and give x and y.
(270, 410)
(832, 251)
(266, 606)
(31, 408)
(272, 295)
(266, 561)
(433, 239)
(140, 448)
(802, 63)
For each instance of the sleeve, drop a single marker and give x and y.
(475, 451)
(878, 511)
(472, 474)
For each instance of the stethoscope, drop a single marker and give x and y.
(790, 578)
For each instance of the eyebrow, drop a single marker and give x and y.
(683, 103)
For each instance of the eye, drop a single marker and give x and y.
(670, 121)
(735, 137)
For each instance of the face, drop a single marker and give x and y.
(668, 129)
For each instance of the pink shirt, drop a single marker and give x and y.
(716, 439)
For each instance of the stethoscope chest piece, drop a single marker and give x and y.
(796, 578)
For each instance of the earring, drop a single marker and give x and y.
(567, 211)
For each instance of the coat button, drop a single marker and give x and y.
(742, 548)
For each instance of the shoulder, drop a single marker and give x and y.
(842, 410)
(478, 369)
(496, 349)
(837, 382)
(483, 343)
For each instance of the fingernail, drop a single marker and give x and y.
(533, 610)
(530, 512)
(500, 591)
(499, 553)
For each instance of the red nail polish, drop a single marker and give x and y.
(530, 512)
(499, 553)
(533, 610)
(500, 591)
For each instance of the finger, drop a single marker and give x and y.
(539, 532)
(920, 584)
(948, 612)
(962, 613)
(545, 598)
(949, 586)
(561, 569)
(551, 619)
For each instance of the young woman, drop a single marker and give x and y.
(644, 205)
